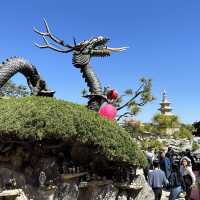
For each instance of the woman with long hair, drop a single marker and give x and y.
(188, 176)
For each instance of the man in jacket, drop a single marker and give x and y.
(157, 180)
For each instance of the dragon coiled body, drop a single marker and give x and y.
(82, 61)
(94, 47)
(96, 98)
(14, 65)
(91, 79)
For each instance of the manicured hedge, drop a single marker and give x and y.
(39, 118)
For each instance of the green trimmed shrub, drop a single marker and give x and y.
(38, 118)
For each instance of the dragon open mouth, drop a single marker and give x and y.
(101, 42)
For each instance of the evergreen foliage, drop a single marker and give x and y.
(166, 121)
(153, 143)
(38, 118)
(135, 99)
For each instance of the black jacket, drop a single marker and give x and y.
(176, 180)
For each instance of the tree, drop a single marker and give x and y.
(165, 124)
(131, 102)
(11, 89)
(153, 143)
(166, 121)
(132, 126)
(137, 99)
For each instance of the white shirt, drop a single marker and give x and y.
(188, 171)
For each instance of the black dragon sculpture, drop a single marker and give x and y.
(82, 53)
(35, 82)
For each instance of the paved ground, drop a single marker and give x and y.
(165, 195)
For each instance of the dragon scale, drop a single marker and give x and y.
(91, 79)
(82, 61)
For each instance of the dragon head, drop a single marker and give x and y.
(82, 52)
(94, 47)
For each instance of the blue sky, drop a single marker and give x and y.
(163, 36)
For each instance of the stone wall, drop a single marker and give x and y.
(50, 174)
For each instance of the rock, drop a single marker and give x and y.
(46, 194)
(18, 193)
(108, 192)
(24, 166)
(9, 174)
(146, 192)
(48, 165)
(178, 145)
(67, 191)
(28, 172)
(123, 196)
(80, 153)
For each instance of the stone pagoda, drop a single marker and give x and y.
(165, 108)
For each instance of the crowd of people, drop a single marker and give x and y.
(171, 171)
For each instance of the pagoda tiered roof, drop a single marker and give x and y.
(165, 104)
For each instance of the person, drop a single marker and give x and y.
(188, 175)
(168, 164)
(150, 157)
(157, 179)
(176, 182)
(170, 151)
(162, 161)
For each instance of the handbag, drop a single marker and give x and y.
(188, 180)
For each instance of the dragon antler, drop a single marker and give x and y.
(66, 47)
